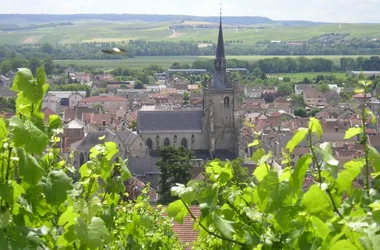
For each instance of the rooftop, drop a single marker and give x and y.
(149, 121)
(105, 98)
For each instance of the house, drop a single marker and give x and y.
(153, 89)
(107, 103)
(5, 82)
(299, 88)
(181, 88)
(52, 102)
(129, 145)
(68, 99)
(132, 94)
(192, 87)
(250, 91)
(313, 97)
(160, 76)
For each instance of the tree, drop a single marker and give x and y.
(132, 126)
(297, 101)
(174, 165)
(284, 89)
(323, 86)
(47, 48)
(186, 98)
(268, 98)
(300, 112)
(139, 85)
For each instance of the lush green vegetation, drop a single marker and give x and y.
(118, 31)
(45, 203)
(314, 205)
(167, 61)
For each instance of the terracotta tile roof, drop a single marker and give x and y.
(312, 93)
(86, 117)
(185, 231)
(97, 119)
(69, 115)
(361, 96)
(108, 98)
(48, 112)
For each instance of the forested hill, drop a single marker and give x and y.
(233, 20)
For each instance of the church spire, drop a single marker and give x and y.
(220, 79)
(220, 46)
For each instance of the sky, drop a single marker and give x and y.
(349, 11)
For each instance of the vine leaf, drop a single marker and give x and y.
(224, 226)
(321, 229)
(29, 168)
(316, 202)
(177, 210)
(351, 132)
(297, 138)
(347, 176)
(55, 187)
(297, 178)
(315, 127)
(343, 244)
(27, 135)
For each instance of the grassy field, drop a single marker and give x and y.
(164, 61)
(102, 31)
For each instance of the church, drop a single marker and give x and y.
(213, 132)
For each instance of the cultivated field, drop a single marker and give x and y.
(166, 61)
(107, 31)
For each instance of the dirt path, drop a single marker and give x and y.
(175, 34)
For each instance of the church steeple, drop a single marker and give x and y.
(220, 80)
(220, 46)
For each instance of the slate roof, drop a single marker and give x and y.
(149, 121)
(141, 166)
(91, 140)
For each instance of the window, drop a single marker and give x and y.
(166, 142)
(158, 140)
(175, 140)
(81, 159)
(192, 139)
(149, 143)
(184, 143)
(226, 102)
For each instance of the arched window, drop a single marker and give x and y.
(149, 143)
(184, 143)
(175, 140)
(192, 139)
(158, 140)
(166, 142)
(81, 159)
(226, 102)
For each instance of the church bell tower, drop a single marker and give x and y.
(222, 104)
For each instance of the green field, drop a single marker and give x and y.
(103, 31)
(165, 61)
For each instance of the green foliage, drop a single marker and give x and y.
(300, 112)
(276, 210)
(174, 165)
(43, 207)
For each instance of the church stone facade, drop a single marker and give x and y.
(213, 132)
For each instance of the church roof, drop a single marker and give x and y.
(220, 46)
(220, 79)
(170, 121)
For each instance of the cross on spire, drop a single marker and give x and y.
(220, 12)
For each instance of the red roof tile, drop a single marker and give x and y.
(48, 112)
(69, 115)
(185, 231)
(107, 98)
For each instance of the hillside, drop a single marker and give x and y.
(66, 29)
